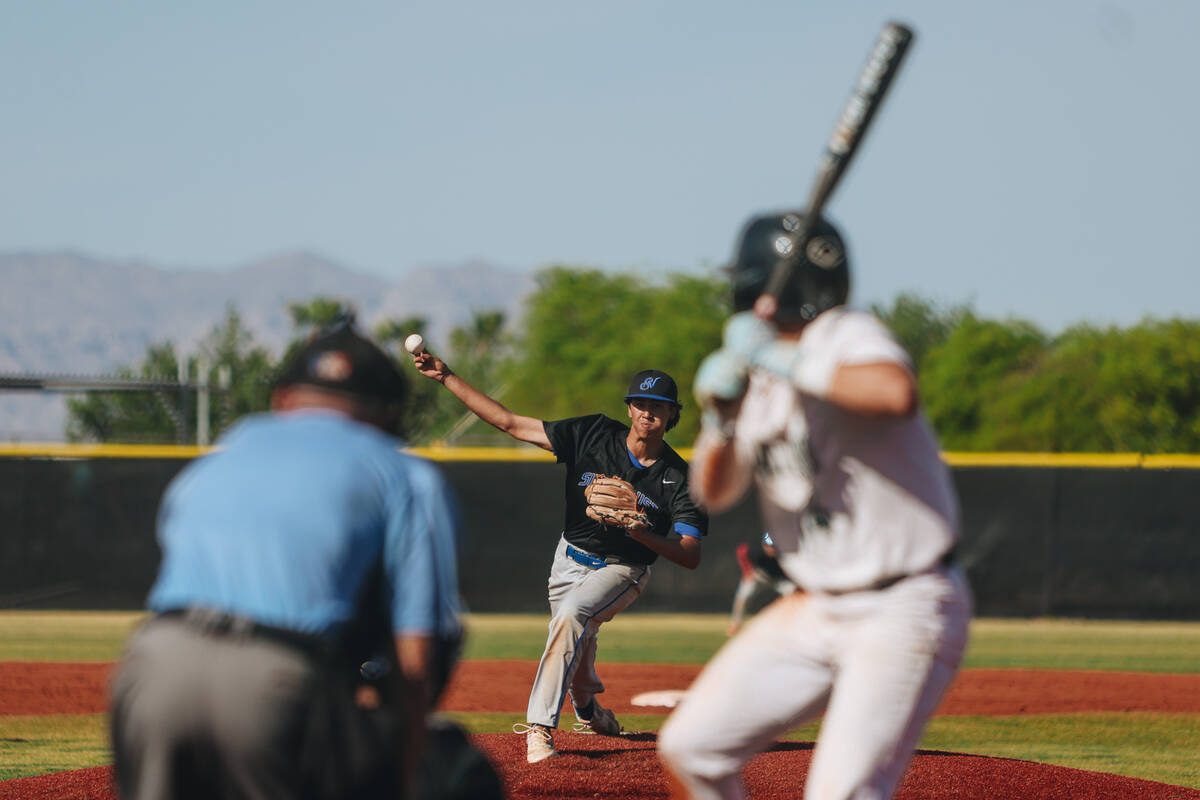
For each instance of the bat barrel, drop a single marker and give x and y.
(873, 82)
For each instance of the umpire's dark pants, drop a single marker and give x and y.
(210, 714)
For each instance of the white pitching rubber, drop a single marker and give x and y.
(664, 698)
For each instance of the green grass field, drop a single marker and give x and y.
(1160, 747)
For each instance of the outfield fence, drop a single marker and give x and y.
(1101, 536)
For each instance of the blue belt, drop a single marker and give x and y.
(587, 559)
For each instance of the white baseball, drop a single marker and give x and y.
(414, 343)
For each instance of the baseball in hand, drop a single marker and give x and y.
(414, 344)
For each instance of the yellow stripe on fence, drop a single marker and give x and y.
(79, 451)
(1103, 460)
(57, 450)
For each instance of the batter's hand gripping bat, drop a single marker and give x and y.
(882, 66)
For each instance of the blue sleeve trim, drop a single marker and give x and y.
(683, 529)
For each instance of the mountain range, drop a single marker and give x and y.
(65, 313)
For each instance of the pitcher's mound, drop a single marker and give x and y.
(627, 768)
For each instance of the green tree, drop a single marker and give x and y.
(979, 360)
(422, 409)
(133, 416)
(479, 348)
(392, 332)
(689, 314)
(309, 317)
(586, 333)
(1107, 390)
(479, 352)
(230, 350)
(1155, 387)
(169, 415)
(919, 324)
(987, 384)
(316, 313)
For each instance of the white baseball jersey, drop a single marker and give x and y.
(851, 500)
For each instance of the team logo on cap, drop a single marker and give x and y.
(648, 384)
(332, 365)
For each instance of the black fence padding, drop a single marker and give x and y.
(1128, 544)
(1082, 542)
(79, 533)
(513, 517)
(1037, 541)
(1007, 536)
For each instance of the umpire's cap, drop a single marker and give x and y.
(342, 360)
(654, 384)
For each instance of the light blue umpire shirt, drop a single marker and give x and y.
(283, 521)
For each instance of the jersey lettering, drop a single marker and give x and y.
(784, 471)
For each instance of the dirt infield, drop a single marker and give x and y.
(497, 686)
(56, 688)
(625, 767)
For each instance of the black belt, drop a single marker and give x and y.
(949, 559)
(218, 623)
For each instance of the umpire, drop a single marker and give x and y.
(305, 545)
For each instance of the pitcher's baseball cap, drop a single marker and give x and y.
(343, 360)
(654, 384)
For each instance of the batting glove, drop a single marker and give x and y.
(721, 376)
(746, 333)
(811, 373)
(780, 357)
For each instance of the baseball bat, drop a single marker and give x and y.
(865, 100)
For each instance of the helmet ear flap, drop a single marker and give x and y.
(746, 283)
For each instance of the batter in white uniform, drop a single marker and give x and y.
(819, 411)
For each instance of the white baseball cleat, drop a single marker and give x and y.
(539, 742)
(603, 722)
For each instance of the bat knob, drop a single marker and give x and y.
(765, 306)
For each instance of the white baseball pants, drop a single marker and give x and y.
(876, 663)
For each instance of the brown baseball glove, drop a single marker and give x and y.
(614, 501)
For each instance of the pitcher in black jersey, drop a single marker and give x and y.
(598, 570)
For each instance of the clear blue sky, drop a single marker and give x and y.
(1036, 158)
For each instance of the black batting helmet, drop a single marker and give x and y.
(820, 279)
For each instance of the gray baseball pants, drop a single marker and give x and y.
(200, 715)
(582, 598)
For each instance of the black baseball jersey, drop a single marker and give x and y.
(594, 445)
(768, 564)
